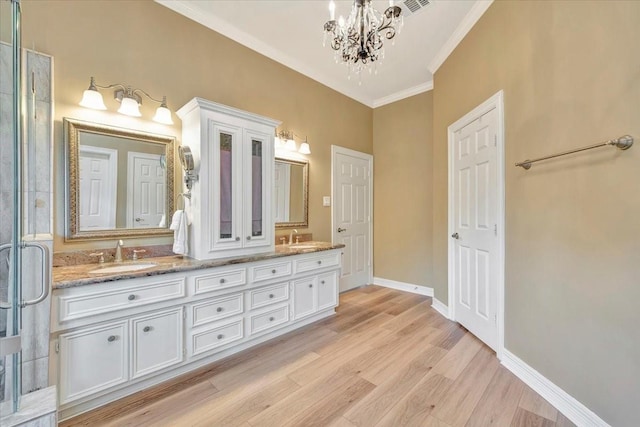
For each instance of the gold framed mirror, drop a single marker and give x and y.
(291, 193)
(119, 182)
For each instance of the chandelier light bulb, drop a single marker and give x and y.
(129, 107)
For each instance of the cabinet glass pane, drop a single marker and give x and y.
(226, 185)
(256, 188)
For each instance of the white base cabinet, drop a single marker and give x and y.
(202, 316)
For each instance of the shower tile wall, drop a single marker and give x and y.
(37, 202)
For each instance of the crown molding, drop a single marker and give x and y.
(405, 93)
(189, 9)
(470, 19)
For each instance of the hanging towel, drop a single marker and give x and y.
(179, 224)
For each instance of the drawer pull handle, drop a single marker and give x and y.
(271, 295)
(146, 329)
(237, 239)
(322, 282)
(274, 271)
(220, 336)
(248, 237)
(311, 285)
(319, 262)
(222, 280)
(219, 309)
(271, 319)
(131, 297)
(111, 338)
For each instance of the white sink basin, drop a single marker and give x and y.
(124, 268)
(302, 246)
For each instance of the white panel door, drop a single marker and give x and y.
(352, 215)
(146, 204)
(98, 188)
(475, 202)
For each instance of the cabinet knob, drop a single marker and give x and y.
(322, 282)
(319, 262)
(273, 271)
(219, 309)
(248, 237)
(271, 319)
(311, 285)
(220, 336)
(237, 239)
(131, 297)
(111, 338)
(146, 329)
(222, 280)
(271, 295)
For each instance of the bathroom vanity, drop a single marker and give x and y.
(118, 333)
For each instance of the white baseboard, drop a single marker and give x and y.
(579, 414)
(440, 307)
(402, 286)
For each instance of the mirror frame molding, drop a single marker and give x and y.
(72, 128)
(305, 198)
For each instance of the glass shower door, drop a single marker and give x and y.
(10, 206)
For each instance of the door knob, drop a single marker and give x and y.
(340, 230)
(455, 235)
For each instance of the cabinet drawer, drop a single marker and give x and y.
(92, 360)
(220, 280)
(216, 335)
(78, 306)
(156, 342)
(269, 295)
(271, 271)
(269, 319)
(323, 260)
(216, 309)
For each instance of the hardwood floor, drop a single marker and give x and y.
(386, 359)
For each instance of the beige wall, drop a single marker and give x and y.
(147, 45)
(570, 72)
(402, 193)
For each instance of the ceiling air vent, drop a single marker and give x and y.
(414, 6)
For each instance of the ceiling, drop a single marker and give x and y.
(291, 32)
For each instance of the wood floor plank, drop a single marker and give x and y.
(377, 403)
(459, 357)
(524, 418)
(416, 407)
(499, 403)
(533, 402)
(386, 358)
(467, 389)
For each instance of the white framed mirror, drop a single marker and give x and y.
(291, 193)
(119, 181)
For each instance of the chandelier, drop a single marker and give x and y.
(358, 40)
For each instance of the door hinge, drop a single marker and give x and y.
(57, 346)
(184, 312)
(495, 319)
(495, 229)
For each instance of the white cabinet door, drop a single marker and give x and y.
(156, 342)
(327, 290)
(258, 164)
(93, 359)
(305, 301)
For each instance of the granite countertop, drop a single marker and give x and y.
(78, 275)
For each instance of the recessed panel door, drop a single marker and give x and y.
(146, 204)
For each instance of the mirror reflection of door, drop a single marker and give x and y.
(98, 186)
(146, 191)
(281, 192)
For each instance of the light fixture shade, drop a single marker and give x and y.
(92, 99)
(129, 107)
(304, 148)
(163, 115)
(290, 145)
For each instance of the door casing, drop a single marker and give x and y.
(494, 102)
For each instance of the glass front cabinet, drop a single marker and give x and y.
(230, 206)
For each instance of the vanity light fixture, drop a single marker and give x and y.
(285, 140)
(130, 100)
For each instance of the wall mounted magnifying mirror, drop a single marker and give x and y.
(291, 193)
(188, 165)
(119, 182)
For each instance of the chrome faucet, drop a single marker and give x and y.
(291, 236)
(119, 245)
